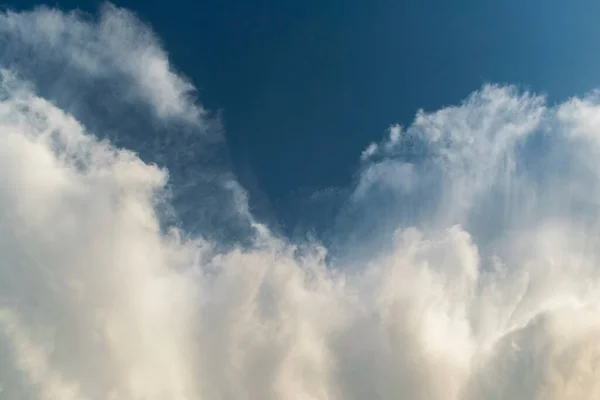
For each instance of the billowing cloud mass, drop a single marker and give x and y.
(468, 268)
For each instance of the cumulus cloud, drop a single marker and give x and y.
(487, 286)
(110, 73)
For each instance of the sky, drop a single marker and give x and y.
(325, 78)
(250, 201)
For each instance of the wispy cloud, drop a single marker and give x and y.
(113, 44)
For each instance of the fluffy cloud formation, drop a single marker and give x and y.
(110, 73)
(114, 44)
(487, 286)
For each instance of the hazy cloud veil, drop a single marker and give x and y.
(131, 268)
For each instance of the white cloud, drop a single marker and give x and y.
(116, 43)
(493, 293)
(395, 176)
(369, 151)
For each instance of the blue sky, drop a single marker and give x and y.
(304, 86)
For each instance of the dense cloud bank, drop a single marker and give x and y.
(473, 245)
